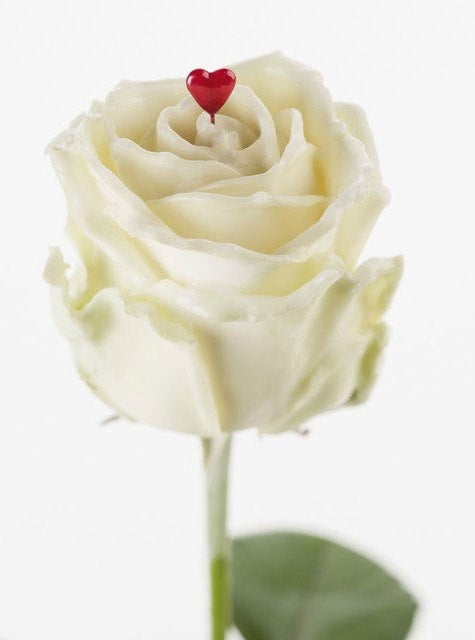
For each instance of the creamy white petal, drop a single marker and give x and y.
(353, 116)
(132, 109)
(261, 222)
(357, 197)
(140, 358)
(151, 174)
(347, 358)
(282, 83)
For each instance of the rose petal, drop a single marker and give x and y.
(155, 175)
(139, 358)
(132, 109)
(260, 222)
(356, 122)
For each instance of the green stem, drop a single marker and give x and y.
(216, 463)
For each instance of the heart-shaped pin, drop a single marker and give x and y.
(211, 90)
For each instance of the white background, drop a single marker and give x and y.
(102, 528)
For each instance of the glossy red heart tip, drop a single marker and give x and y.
(211, 90)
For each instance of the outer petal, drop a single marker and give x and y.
(281, 360)
(180, 359)
(138, 357)
(347, 365)
(282, 83)
(132, 108)
(356, 122)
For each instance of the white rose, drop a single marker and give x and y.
(216, 286)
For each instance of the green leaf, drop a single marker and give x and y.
(290, 586)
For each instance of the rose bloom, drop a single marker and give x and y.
(216, 285)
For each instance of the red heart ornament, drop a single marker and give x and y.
(211, 90)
